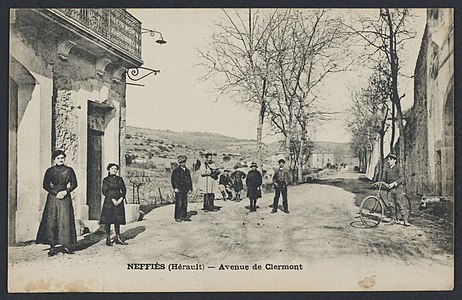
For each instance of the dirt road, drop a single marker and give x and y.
(321, 239)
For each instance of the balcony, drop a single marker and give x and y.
(115, 27)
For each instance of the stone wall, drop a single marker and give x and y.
(416, 131)
(429, 129)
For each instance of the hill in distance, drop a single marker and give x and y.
(152, 144)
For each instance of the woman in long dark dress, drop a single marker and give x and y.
(57, 227)
(253, 182)
(113, 211)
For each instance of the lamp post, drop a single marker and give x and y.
(134, 74)
(153, 33)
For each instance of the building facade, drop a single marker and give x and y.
(66, 91)
(430, 130)
(321, 160)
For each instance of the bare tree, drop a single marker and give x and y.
(238, 60)
(307, 47)
(385, 37)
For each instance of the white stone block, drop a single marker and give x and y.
(132, 212)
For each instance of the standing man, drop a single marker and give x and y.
(281, 179)
(182, 185)
(209, 182)
(253, 182)
(394, 179)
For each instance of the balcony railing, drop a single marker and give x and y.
(115, 24)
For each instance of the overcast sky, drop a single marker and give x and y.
(177, 100)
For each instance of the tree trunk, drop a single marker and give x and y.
(382, 154)
(402, 150)
(382, 142)
(394, 89)
(393, 126)
(261, 118)
(300, 162)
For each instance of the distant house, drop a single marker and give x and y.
(321, 160)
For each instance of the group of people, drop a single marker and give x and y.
(212, 181)
(57, 226)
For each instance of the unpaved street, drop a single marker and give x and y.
(322, 233)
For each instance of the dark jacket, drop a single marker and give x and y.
(393, 175)
(225, 180)
(253, 181)
(237, 177)
(181, 179)
(281, 175)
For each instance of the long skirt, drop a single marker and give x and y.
(111, 214)
(57, 226)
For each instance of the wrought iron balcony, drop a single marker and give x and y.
(115, 25)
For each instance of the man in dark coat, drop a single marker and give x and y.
(281, 179)
(182, 185)
(253, 182)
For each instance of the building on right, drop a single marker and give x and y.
(429, 131)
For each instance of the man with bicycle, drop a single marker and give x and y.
(393, 180)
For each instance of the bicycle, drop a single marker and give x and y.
(374, 209)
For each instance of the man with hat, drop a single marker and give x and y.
(281, 179)
(224, 185)
(394, 180)
(253, 182)
(182, 185)
(208, 182)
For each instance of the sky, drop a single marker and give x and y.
(177, 99)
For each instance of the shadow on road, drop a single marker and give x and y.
(132, 233)
(191, 213)
(93, 238)
(89, 240)
(359, 224)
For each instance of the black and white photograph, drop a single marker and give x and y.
(230, 149)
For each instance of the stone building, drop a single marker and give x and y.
(319, 160)
(67, 91)
(429, 131)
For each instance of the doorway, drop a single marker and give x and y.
(94, 172)
(439, 174)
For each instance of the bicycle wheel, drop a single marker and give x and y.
(371, 211)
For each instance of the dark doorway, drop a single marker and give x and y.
(94, 175)
(439, 174)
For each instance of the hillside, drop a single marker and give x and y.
(164, 145)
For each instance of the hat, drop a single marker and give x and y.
(112, 165)
(253, 164)
(208, 154)
(57, 153)
(391, 155)
(182, 158)
(282, 160)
